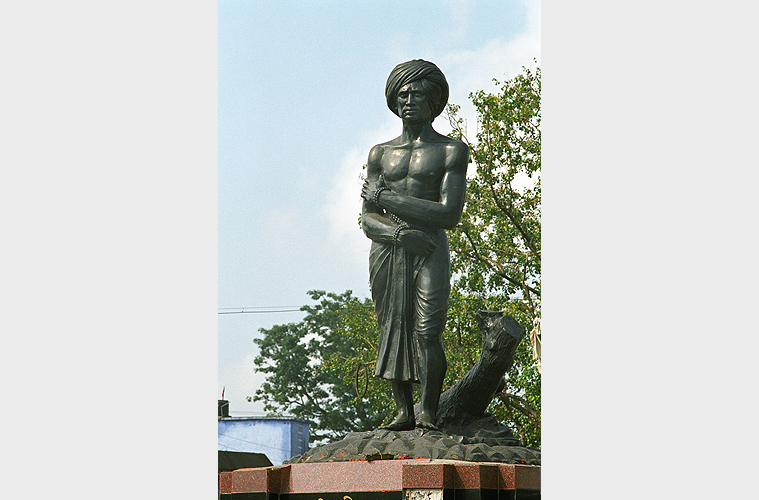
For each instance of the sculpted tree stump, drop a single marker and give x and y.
(471, 395)
(463, 405)
(465, 430)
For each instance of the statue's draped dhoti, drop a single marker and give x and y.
(410, 294)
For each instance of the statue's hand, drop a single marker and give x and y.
(416, 242)
(370, 189)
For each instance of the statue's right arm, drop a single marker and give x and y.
(377, 227)
(373, 221)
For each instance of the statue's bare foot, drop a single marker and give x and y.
(426, 422)
(400, 424)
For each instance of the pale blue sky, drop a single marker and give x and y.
(301, 101)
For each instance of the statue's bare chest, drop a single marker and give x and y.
(417, 164)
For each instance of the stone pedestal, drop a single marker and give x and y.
(412, 479)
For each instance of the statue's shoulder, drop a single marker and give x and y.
(457, 155)
(377, 150)
(392, 143)
(375, 154)
(456, 147)
(451, 144)
(455, 144)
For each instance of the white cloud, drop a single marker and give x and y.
(344, 205)
(239, 380)
(459, 11)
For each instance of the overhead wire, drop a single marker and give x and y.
(258, 310)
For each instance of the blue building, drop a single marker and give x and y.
(279, 438)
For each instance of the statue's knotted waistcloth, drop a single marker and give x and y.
(410, 294)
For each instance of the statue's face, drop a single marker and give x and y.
(413, 103)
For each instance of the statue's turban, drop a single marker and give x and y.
(433, 81)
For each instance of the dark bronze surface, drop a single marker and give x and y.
(414, 190)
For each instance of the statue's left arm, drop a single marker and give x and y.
(444, 213)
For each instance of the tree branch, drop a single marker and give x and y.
(522, 405)
(530, 309)
(313, 402)
(463, 351)
(528, 241)
(498, 203)
(498, 270)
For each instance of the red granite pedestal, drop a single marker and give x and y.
(413, 479)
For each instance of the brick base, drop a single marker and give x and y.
(391, 479)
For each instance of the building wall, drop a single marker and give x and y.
(278, 438)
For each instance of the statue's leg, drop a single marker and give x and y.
(431, 289)
(404, 403)
(432, 368)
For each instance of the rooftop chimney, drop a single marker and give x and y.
(223, 408)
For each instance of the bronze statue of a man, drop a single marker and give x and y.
(414, 190)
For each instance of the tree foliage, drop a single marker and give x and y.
(495, 250)
(311, 369)
(321, 369)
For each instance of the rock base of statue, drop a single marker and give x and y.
(466, 431)
(384, 480)
(481, 440)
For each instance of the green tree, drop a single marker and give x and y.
(313, 372)
(495, 250)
